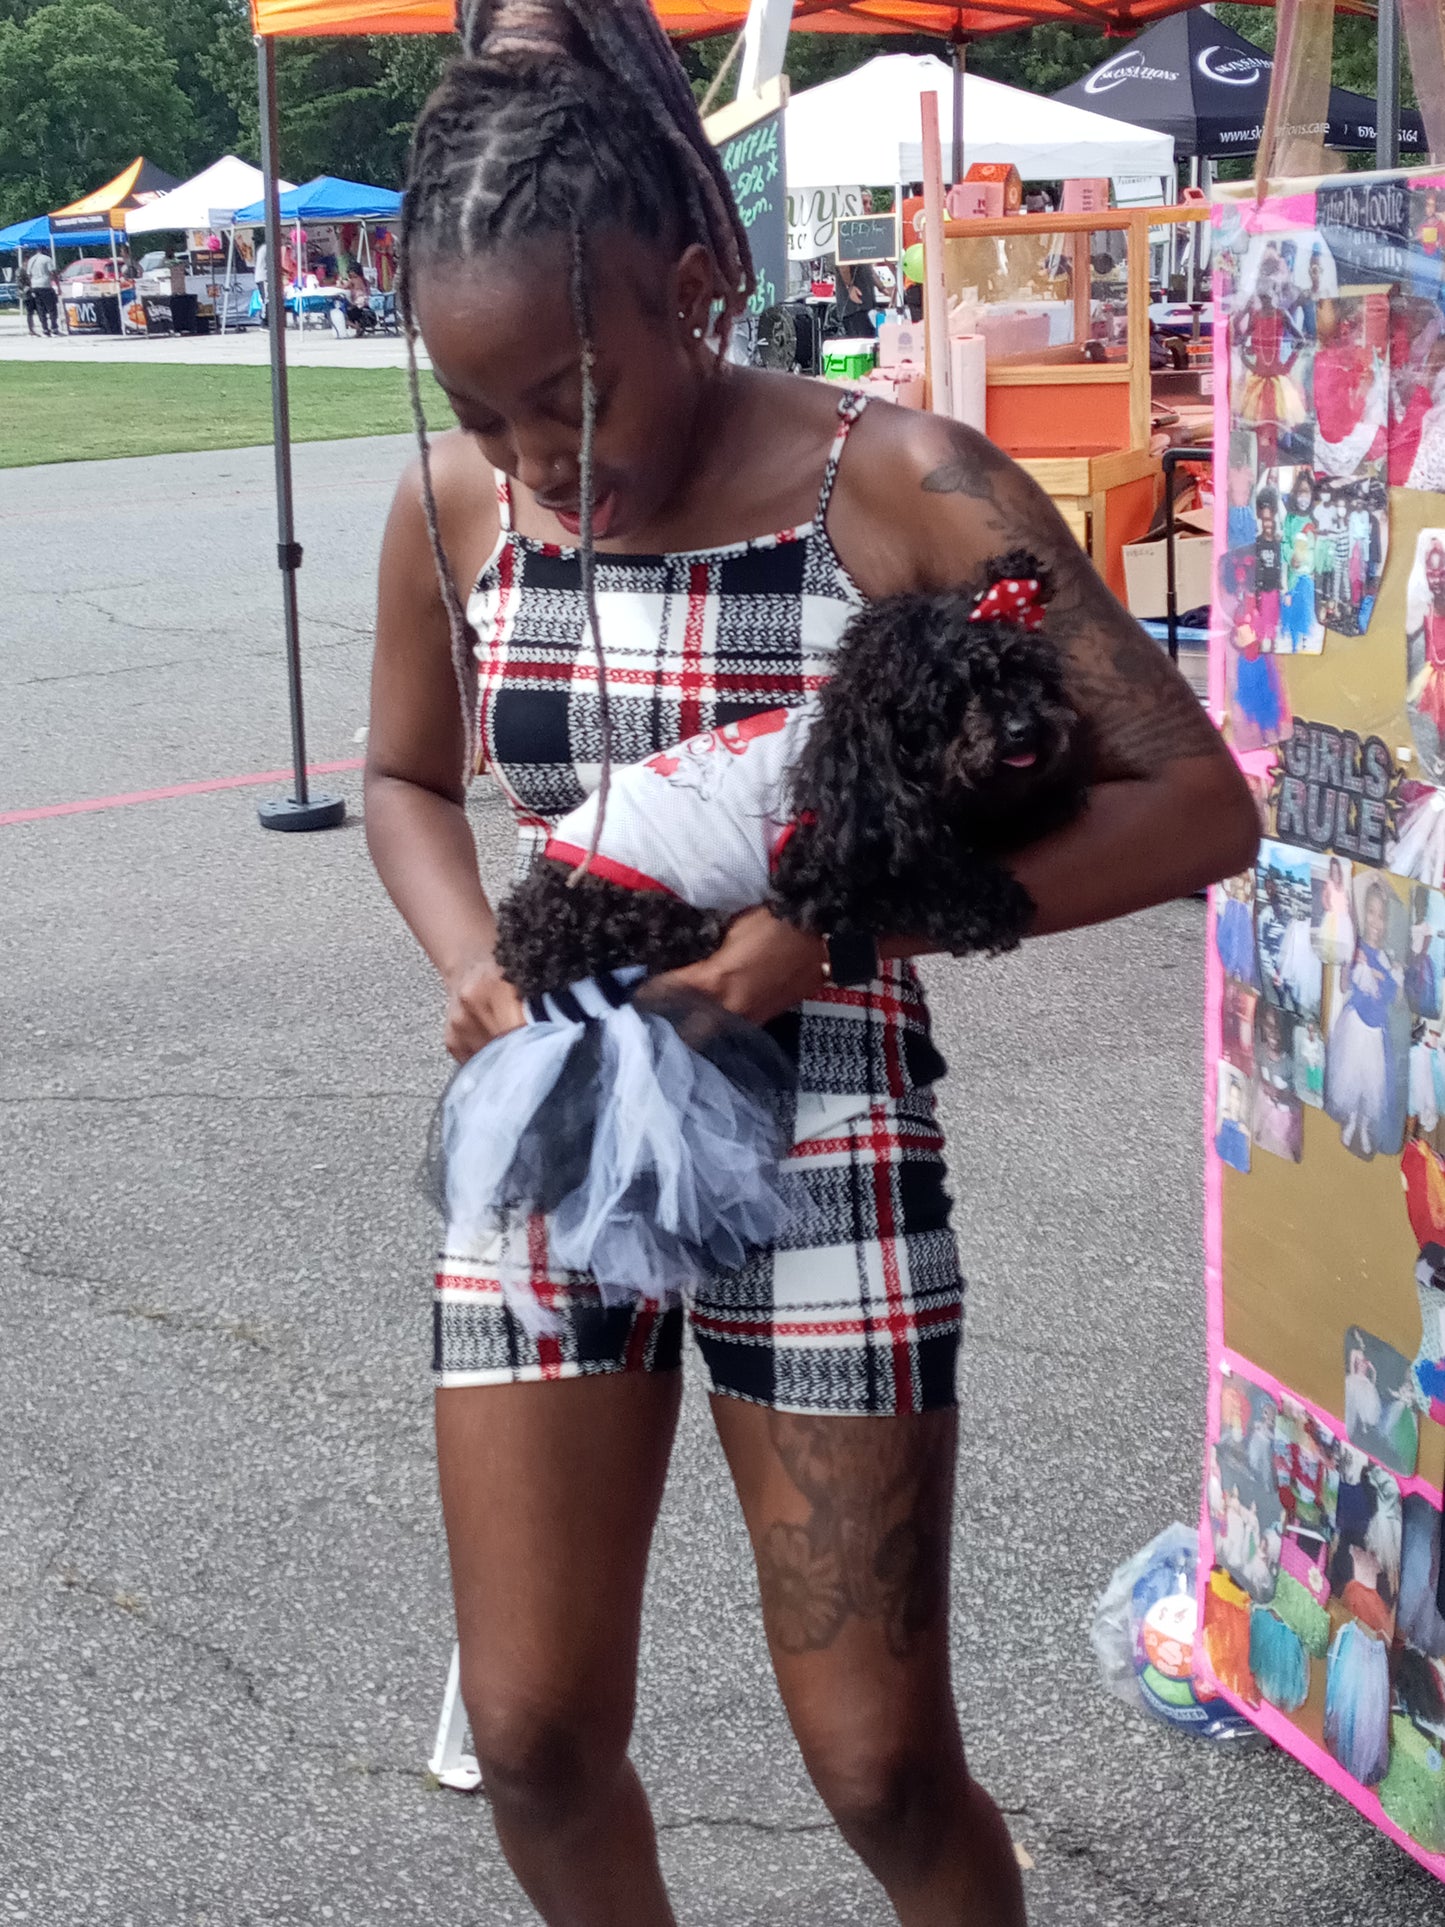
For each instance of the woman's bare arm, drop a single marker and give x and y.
(416, 821)
(1169, 810)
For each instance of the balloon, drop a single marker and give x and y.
(913, 262)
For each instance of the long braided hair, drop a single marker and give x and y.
(559, 117)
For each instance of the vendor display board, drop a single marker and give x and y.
(1323, 1614)
(749, 138)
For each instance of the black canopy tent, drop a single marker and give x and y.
(1195, 78)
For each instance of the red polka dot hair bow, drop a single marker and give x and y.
(1013, 598)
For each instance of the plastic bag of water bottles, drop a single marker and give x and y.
(1143, 1639)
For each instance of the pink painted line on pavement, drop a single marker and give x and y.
(125, 800)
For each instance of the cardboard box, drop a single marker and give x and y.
(1007, 176)
(1086, 196)
(1146, 569)
(974, 201)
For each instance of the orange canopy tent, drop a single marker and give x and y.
(693, 19)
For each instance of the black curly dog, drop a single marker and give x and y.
(942, 744)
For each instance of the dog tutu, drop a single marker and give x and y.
(650, 1137)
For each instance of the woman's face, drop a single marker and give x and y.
(1374, 922)
(1337, 875)
(502, 343)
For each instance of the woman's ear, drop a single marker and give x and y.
(694, 288)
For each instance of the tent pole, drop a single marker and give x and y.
(115, 270)
(1387, 85)
(301, 810)
(959, 52)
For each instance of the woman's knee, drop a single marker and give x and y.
(543, 1756)
(890, 1795)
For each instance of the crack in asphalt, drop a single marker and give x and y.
(137, 1610)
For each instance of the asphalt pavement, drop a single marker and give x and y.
(224, 1615)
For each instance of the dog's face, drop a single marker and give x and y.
(1018, 739)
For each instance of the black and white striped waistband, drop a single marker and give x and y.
(592, 997)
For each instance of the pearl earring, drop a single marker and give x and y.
(697, 334)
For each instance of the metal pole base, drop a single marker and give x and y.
(320, 813)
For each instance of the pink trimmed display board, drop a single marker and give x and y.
(1322, 1606)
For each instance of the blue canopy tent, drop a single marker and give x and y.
(327, 198)
(21, 235)
(26, 234)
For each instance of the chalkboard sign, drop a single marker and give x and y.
(749, 139)
(867, 237)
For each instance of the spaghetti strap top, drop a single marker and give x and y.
(693, 639)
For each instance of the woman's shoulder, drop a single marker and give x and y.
(465, 492)
(922, 501)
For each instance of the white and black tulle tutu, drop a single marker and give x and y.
(649, 1133)
(1418, 850)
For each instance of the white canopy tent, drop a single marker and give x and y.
(864, 127)
(206, 204)
(217, 190)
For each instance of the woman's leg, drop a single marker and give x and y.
(550, 1493)
(851, 1521)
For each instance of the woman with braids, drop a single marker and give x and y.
(627, 541)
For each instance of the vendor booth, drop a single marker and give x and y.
(329, 224)
(101, 298)
(213, 287)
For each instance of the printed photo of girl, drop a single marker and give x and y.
(1290, 966)
(1237, 1041)
(1301, 632)
(1369, 1039)
(1278, 1120)
(1423, 973)
(1309, 1063)
(1332, 921)
(1234, 928)
(1380, 1401)
(1425, 654)
(1427, 1082)
(1245, 1510)
(1231, 1116)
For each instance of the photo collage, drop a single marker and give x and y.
(1327, 986)
(1321, 1561)
(1322, 1589)
(1336, 382)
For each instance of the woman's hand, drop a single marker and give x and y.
(761, 968)
(481, 1005)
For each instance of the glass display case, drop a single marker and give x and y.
(1061, 302)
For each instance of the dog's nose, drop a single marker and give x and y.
(1016, 743)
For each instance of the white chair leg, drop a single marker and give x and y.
(451, 1763)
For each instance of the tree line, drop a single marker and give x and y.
(86, 85)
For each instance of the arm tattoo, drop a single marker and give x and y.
(1141, 712)
(875, 1543)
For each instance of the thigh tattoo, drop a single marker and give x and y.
(875, 1543)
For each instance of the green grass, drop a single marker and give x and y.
(64, 413)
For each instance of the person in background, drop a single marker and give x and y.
(854, 299)
(359, 317)
(40, 280)
(260, 267)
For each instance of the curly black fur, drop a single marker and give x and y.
(551, 931)
(912, 786)
(906, 795)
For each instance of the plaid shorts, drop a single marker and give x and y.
(859, 1310)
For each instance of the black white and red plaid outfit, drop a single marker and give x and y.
(859, 1309)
